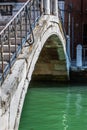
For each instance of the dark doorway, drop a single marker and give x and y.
(85, 34)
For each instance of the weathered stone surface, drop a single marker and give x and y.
(13, 90)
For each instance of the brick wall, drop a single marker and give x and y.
(78, 18)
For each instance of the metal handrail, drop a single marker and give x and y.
(17, 32)
(20, 27)
(15, 16)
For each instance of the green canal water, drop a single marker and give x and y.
(50, 106)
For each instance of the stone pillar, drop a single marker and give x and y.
(42, 6)
(47, 6)
(51, 6)
(68, 47)
(79, 56)
(55, 7)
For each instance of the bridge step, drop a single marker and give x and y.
(19, 39)
(23, 27)
(12, 41)
(18, 27)
(6, 56)
(18, 34)
(1, 27)
(6, 48)
(5, 63)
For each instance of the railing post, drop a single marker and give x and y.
(68, 47)
(51, 6)
(34, 16)
(55, 7)
(42, 6)
(20, 28)
(9, 48)
(20, 24)
(26, 20)
(2, 58)
(15, 36)
(47, 6)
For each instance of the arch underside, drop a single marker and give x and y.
(51, 64)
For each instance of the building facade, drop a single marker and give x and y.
(74, 15)
(75, 22)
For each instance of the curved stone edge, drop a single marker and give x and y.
(22, 72)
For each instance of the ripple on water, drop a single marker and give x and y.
(61, 107)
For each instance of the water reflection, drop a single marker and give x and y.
(65, 115)
(61, 107)
(65, 121)
(78, 104)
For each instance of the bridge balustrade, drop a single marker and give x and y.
(50, 7)
(20, 30)
(16, 33)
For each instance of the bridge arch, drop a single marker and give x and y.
(47, 30)
(13, 91)
(51, 64)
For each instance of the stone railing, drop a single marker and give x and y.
(16, 33)
(20, 30)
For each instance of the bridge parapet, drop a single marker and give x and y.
(20, 28)
(15, 34)
(14, 87)
(50, 7)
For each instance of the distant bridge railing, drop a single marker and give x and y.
(16, 33)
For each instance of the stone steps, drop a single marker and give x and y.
(5, 63)
(12, 41)
(6, 48)
(6, 56)
(19, 34)
(3, 21)
(18, 41)
(23, 27)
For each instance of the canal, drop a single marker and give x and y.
(52, 106)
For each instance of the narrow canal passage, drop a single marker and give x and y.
(50, 106)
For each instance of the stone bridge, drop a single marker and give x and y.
(45, 58)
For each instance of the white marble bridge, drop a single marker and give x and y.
(32, 42)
